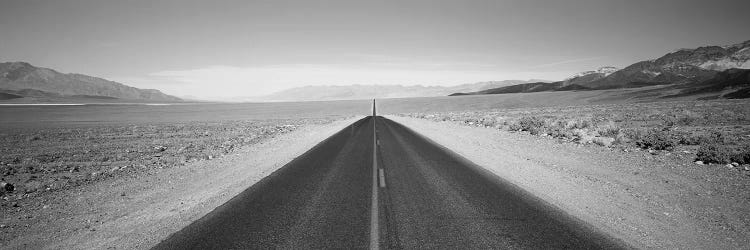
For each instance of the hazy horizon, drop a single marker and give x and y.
(251, 48)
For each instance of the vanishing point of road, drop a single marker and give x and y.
(377, 184)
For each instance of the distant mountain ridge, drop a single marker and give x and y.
(701, 65)
(357, 91)
(589, 76)
(25, 80)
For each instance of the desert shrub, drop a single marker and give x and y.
(713, 153)
(721, 137)
(609, 129)
(718, 152)
(687, 138)
(559, 130)
(742, 156)
(578, 124)
(658, 139)
(533, 124)
(632, 133)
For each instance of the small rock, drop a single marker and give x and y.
(730, 166)
(7, 187)
(210, 157)
(122, 194)
(2, 225)
(45, 207)
(747, 167)
(699, 162)
(735, 164)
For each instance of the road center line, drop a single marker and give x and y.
(374, 229)
(382, 178)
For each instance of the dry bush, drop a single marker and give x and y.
(578, 124)
(689, 138)
(720, 153)
(610, 129)
(658, 139)
(559, 130)
(533, 124)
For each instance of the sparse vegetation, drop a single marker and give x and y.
(37, 160)
(657, 139)
(533, 124)
(718, 131)
(609, 129)
(723, 154)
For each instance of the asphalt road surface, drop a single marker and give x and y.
(426, 197)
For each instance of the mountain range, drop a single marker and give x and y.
(722, 71)
(709, 69)
(357, 91)
(23, 81)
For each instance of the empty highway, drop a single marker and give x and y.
(380, 185)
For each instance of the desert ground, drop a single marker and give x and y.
(655, 173)
(662, 173)
(61, 164)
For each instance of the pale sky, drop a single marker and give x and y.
(249, 48)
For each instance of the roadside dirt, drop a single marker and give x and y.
(649, 200)
(136, 212)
